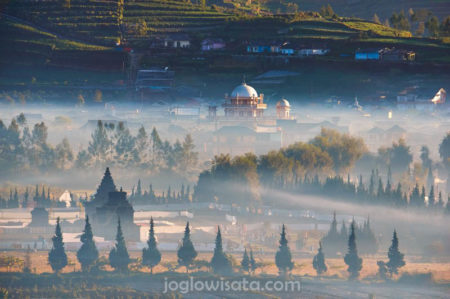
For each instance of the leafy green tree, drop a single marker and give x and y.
(245, 263)
(283, 258)
(395, 256)
(142, 146)
(100, 147)
(344, 149)
(57, 256)
(186, 253)
(353, 261)
(432, 26)
(319, 261)
(400, 156)
(118, 256)
(382, 269)
(151, 255)
(220, 262)
(87, 254)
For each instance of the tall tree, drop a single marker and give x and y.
(57, 256)
(100, 146)
(444, 150)
(319, 261)
(220, 263)
(395, 256)
(431, 197)
(186, 253)
(283, 258)
(118, 256)
(352, 259)
(151, 255)
(87, 254)
(245, 263)
(432, 26)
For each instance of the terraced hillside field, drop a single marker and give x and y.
(167, 16)
(92, 21)
(104, 21)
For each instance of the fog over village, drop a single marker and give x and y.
(224, 149)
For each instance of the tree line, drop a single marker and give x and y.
(138, 196)
(221, 263)
(28, 150)
(317, 168)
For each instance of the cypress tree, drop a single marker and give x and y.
(118, 256)
(352, 259)
(283, 258)
(57, 256)
(395, 256)
(431, 198)
(440, 202)
(186, 253)
(151, 255)
(319, 261)
(87, 255)
(220, 262)
(253, 264)
(25, 198)
(422, 197)
(245, 263)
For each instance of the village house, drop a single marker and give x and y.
(211, 44)
(385, 54)
(177, 40)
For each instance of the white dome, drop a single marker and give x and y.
(283, 103)
(244, 91)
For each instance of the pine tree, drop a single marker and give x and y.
(319, 261)
(186, 253)
(151, 255)
(422, 196)
(57, 256)
(253, 264)
(440, 203)
(118, 256)
(431, 198)
(87, 255)
(352, 259)
(139, 189)
(220, 262)
(395, 256)
(26, 196)
(245, 263)
(283, 258)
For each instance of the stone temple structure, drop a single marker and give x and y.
(39, 217)
(107, 206)
(107, 216)
(101, 196)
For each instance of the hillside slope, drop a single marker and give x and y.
(383, 8)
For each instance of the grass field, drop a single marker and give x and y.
(303, 266)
